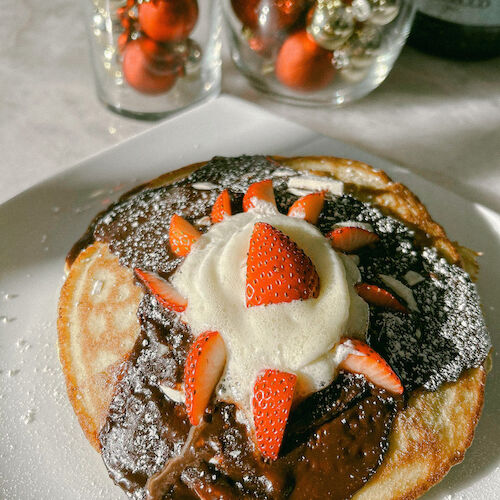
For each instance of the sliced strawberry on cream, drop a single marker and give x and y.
(350, 239)
(204, 365)
(365, 361)
(308, 207)
(221, 208)
(182, 235)
(164, 292)
(377, 296)
(259, 193)
(277, 269)
(272, 399)
(269, 283)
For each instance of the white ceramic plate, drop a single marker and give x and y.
(43, 454)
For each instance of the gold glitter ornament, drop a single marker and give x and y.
(364, 45)
(332, 24)
(384, 11)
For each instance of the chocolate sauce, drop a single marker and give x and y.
(340, 432)
(152, 452)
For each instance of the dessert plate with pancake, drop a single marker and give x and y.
(286, 323)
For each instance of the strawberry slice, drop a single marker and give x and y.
(370, 364)
(164, 292)
(377, 296)
(271, 402)
(259, 191)
(277, 269)
(350, 239)
(222, 207)
(308, 207)
(203, 368)
(182, 235)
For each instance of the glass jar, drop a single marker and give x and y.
(317, 52)
(154, 57)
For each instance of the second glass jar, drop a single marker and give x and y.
(317, 51)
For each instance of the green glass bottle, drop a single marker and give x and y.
(458, 29)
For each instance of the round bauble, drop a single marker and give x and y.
(168, 20)
(303, 65)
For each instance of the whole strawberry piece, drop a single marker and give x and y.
(272, 398)
(277, 269)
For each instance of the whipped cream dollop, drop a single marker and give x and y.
(297, 337)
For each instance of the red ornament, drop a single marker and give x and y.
(148, 67)
(246, 11)
(303, 65)
(267, 22)
(168, 20)
(269, 15)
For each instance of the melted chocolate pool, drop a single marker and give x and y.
(336, 438)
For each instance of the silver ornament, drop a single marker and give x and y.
(384, 11)
(341, 59)
(351, 74)
(332, 24)
(364, 45)
(361, 10)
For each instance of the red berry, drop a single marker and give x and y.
(308, 207)
(182, 235)
(350, 239)
(164, 292)
(272, 399)
(168, 20)
(377, 296)
(303, 65)
(259, 192)
(221, 208)
(145, 72)
(204, 365)
(370, 364)
(277, 269)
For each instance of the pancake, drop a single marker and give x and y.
(98, 327)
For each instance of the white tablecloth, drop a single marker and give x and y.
(436, 117)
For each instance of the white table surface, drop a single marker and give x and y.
(436, 117)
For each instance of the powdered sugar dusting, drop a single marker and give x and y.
(426, 347)
(137, 230)
(135, 440)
